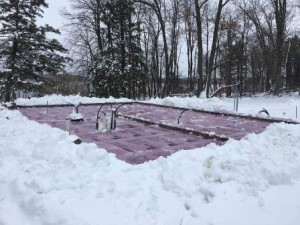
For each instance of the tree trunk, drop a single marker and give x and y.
(199, 46)
(228, 77)
(280, 18)
(214, 45)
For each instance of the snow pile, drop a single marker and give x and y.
(46, 179)
(210, 104)
(60, 99)
(103, 123)
(278, 107)
(75, 116)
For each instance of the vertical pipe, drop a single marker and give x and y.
(234, 103)
(113, 119)
(68, 126)
(237, 101)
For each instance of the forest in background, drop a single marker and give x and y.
(137, 48)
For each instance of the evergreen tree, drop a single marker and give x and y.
(127, 51)
(26, 51)
(108, 35)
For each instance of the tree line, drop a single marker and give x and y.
(157, 48)
(133, 48)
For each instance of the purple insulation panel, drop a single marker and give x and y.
(136, 142)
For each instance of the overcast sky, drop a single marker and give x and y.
(52, 15)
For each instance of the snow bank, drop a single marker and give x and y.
(46, 179)
(60, 99)
(210, 104)
(278, 107)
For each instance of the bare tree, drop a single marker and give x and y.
(257, 12)
(157, 7)
(132, 47)
(280, 11)
(198, 7)
(221, 5)
(189, 31)
(174, 43)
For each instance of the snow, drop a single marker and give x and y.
(279, 107)
(65, 100)
(75, 116)
(104, 123)
(47, 179)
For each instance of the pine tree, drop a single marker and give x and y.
(105, 39)
(127, 51)
(26, 51)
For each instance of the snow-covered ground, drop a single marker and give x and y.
(278, 107)
(46, 179)
(64, 100)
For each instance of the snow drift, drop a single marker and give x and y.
(46, 179)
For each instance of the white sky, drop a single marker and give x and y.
(52, 16)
